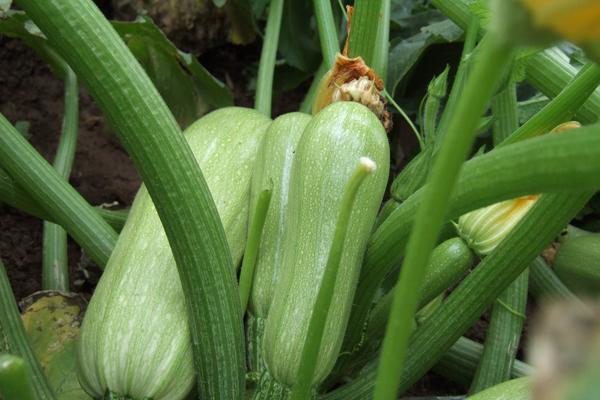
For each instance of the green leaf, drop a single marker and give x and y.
(219, 3)
(297, 44)
(404, 54)
(52, 323)
(187, 87)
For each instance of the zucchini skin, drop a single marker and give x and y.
(135, 339)
(577, 264)
(328, 153)
(273, 169)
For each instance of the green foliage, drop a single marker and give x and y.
(406, 53)
(187, 87)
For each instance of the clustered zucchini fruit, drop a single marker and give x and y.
(134, 340)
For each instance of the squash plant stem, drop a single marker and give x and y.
(266, 68)
(492, 59)
(55, 263)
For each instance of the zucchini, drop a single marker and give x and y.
(577, 264)
(327, 155)
(135, 340)
(272, 170)
(515, 389)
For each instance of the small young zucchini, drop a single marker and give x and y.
(577, 264)
(135, 340)
(328, 153)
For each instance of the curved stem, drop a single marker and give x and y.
(33, 173)
(310, 351)
(266, 68)
(488, 69)
(55, 263)
(151, 136)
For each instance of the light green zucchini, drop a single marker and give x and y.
(135, 339)
(577, 264)
(327, 155)
(273, 171)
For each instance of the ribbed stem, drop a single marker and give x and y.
(12, 195)
(12, 327)
(467, 302)
(33, 173)
(562, 108)
(55, 263)
(460, 362)
(266, 67)
(547, 164)
(488, 69)
(502, 336)
(151, 136)
(366, 23)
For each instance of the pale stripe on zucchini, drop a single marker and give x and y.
(135, 338)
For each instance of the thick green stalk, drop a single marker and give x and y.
(316, 327)
(471, 36)
(460, 362)
(508, 312)
(150, 134)
(367, 21)
(32, 172)
(266, 68)
(15, 380)
(562, 107)
(502, 336)
(488, 68)
(14, 196)
(437, 334)
(549, 71)
(55, 263)
(551, 163)
(252, 246)
(382, 43)
(330, 45)
(12, 327)
(504, 107)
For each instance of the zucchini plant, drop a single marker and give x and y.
(347, 290)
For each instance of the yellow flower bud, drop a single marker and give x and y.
(485, 228)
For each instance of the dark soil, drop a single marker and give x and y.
(102, 171)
